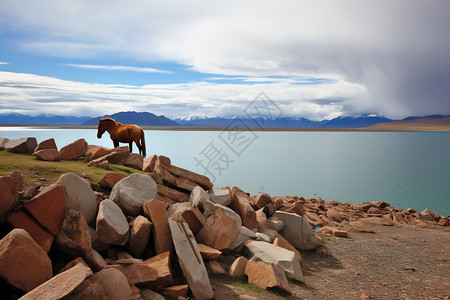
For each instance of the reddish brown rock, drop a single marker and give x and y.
(260, 201)
(340, 233)
(110, 179)
(9, 197)
(61, 285)
(47, 144)
(23, 145)
(296, 208)
(261, 219)
(20, 180)
(208, 252)
(135, 161)
(72, 264)
(20, 219)
(47, 155)
(161, 263)
(188, 213)
(165, 160)
(115, 283)
(201, 180)
(185, 184)
(73, 150)
(365, 207)
(101, 163)
(90, 288)
(48, 208)
(336, 215)
(74, 239)
(381, 204)
(240, 204)
(93, 151)
(149, 163)
(95, 261)
(139, 234)
(266, 275)
(138, 274)
(172, 194)
(163, 174)
(374, 211)
(237, 268)
(23, 263)
(444, 222)
(155, 211)
(214, 267)
(177, 290)
(220, 231)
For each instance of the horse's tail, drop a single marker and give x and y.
(143, 143)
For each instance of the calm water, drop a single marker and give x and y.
(406, 169)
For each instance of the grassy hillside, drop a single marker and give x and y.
(419, 124)
(38, 172)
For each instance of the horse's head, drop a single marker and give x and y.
(101, 129)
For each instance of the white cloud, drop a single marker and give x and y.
(396, 50)
(119, 68)
(3, 63)
(33, 94)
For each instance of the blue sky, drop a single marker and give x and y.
(315, 59)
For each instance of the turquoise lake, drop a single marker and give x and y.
(406, 169)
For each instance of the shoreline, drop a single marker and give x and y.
(192, 128)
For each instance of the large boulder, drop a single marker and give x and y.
(162, 264)
(94, 151)
(149, 163)
(110, 179)
(47, 144)
(155, 211)
(220, 196)
(74, 238)
(139, 234)
(188, 213)
(48, 208)
(9, 197)
(23, 145)
(198, 196)
(47, 155)
(220, 231)
(115, 284)
(112, 225)
(269, 253)
(3, 141)
(23, 264)
(73, 150)
(20, 219)
(267, 275)
(191, 262)
(79, 195)
(61, 285)
(297, 231)
(210, 208)
(240, 203)
(135, 161)
(131, 192)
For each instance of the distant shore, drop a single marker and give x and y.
(192, 128)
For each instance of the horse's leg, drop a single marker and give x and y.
(139, 146)
(131, 146)
(116, 143)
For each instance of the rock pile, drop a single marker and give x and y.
(165, 231)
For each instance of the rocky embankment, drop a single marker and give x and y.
(143, 236)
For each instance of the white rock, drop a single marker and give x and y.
(220, 196)
(198, 196)
(297, 231)
(131, 192)
(245, 234)
(275, 224)
(79, 195)
(210, 208)
(262, 237)
(281, 257)
(191, 261)
(112, 225)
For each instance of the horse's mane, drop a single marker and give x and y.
(107, 119)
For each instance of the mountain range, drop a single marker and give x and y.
(149, 119)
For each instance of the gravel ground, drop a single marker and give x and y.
(381, 262)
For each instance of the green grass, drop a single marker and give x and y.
(36, 172)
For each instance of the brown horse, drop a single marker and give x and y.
(122, 133)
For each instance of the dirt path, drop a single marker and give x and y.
(382, 262)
